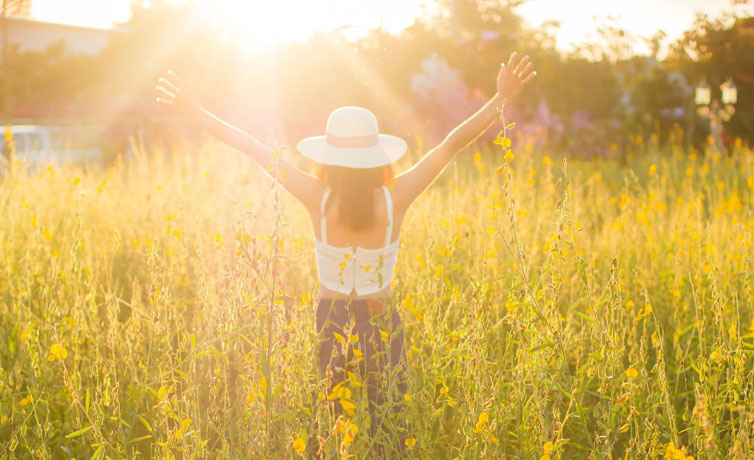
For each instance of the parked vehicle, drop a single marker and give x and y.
(42, 145)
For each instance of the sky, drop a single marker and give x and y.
(260, 22)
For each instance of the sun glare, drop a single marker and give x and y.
(257, 24)
(87, 13)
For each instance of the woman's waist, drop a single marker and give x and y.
(374, 303)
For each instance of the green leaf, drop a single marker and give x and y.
(585, 317)
(97, 452)
(78, 433)
(140, 438)
(218, 354)
(145, 423)
(541, 346)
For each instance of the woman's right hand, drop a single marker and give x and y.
(173, 92)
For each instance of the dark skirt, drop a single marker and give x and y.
(378, 359)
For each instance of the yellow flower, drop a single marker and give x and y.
(510, 305)
(340, 391)
(299, 445)
(57, 352)
(348, 406)
(548, 447)
(501, 140)
(350, 434)
(26, 401)
(410, 442)
(263, 385)
(652, 170)
(632, 373)
(484, 418)
(508, 156)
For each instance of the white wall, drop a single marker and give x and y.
(37, 36)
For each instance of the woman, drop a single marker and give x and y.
(357, 220)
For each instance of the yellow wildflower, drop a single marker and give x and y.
(57, 352)
(484, 418)
(509, 156)
(350, 434)
(26, 401)
(299, 445)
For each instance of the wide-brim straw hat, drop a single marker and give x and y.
(352, 140)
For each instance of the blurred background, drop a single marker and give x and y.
(79, 76)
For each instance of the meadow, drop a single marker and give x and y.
(163, 307)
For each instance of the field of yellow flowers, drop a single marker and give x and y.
(164, 308)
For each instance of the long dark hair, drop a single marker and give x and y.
(354, 189)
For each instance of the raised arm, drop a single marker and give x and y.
(172, 91)
(510, 81)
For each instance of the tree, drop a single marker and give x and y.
(716, 50)
(9, 8)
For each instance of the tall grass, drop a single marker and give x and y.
(164, 308)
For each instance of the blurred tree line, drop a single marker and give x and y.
(584, 102)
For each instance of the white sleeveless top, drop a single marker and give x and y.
(348, 269)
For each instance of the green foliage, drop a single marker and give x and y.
(597, 309)
(302, 82)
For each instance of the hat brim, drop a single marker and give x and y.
(387, 150)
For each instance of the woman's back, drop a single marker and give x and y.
(356, 262)
(340, 235)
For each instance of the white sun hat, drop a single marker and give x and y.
(353, 141)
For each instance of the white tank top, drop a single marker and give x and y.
(348, 269)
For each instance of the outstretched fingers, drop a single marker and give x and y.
(524, 73)
(520, 66)
(175, 80)
(512, 60)
(164, 96)
(529, 77)
(169, 85)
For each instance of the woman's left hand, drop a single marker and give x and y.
(513, 77)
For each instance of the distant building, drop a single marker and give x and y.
(32, 35)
